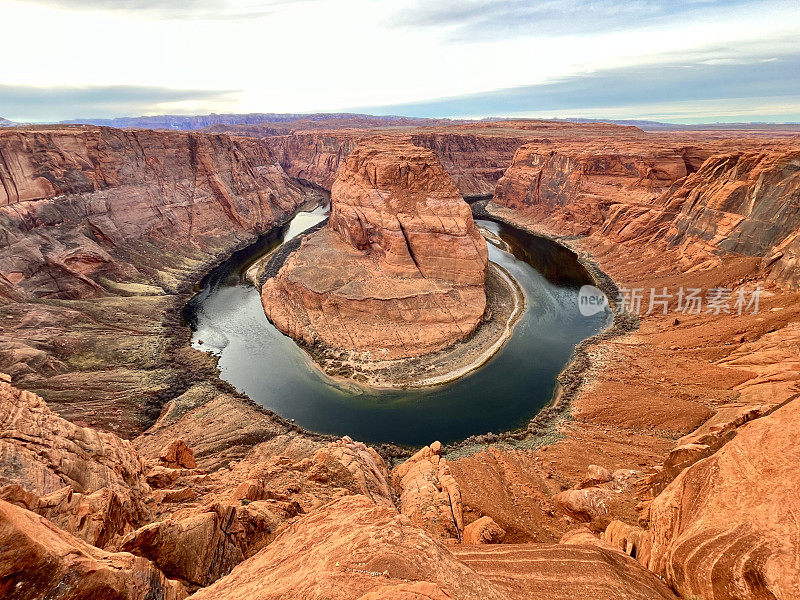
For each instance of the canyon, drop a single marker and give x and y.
(665, 469)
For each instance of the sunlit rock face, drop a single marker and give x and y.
(400, 269)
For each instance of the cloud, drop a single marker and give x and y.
(471, 20)
(765, 80)
(185, 9)
(29, 103)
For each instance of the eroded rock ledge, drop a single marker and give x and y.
(399, 272)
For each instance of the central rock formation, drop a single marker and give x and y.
(400, 270)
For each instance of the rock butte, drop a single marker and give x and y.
(400, 269)
(674, 473)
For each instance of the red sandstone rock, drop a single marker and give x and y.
(362, 463)
(45, 453)
(587, 504)
(162, 477)
(562, 572)
(127, 218)
(703, 202)
(198, 549)
(177, 455)
(219, 430)
(633, 541)
(724, 528)
(574, 187)
(701, 443)
(400, 270)
(473, 159)
(429, 495)
(38, 560)
(595, 475)
(421, 590)
(102, 518)
(395, 202)
(736, 202)
(483, 531)
(775, 366)
(352, 549)
(583, 536)
(85, 193)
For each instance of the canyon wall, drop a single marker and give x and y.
(576, 188)
(79, 204)
(103, 233)
(475, 162)
(744, 203)
(704, 202)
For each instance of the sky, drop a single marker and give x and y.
(679, 61)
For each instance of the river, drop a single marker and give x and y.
(501, 395)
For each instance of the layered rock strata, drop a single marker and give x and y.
(103, 232)
(725, 527)
(400, 269)
(703, 203)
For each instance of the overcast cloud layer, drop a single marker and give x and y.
(42, 103)
(684, 61)
(672, 91)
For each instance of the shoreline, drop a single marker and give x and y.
(574, 376)
(570, 380)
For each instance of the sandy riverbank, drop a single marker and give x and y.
(505, 303)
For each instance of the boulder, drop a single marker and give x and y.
(589, 504)
(595, 475)
(101, 518)
(177, 455)
(484, 531)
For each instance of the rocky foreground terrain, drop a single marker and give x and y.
(128, 470)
